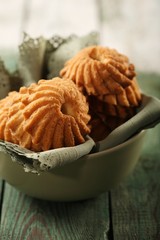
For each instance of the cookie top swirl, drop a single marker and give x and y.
(105, 73)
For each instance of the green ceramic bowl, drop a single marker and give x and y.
(85, 178)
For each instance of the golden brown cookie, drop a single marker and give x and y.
(103, 72)
(101, 127)
(108, 80)
(99, 130)
(104, 110)
(49, 114)
(106, 117)
(129, 97)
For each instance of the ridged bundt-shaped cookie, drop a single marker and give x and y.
(106, 117)
(129, 97)
(5, 105)
(49, 114)
(105, 110)
(105, 73)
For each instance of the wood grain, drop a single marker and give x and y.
(27, 218)
(135, 204)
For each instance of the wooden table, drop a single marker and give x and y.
(130, 211)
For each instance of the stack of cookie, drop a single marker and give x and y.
(96, 93)
(108, 80)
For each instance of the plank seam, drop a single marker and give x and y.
(1, 198)
(110, 232)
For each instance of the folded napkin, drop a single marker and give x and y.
(44, 161)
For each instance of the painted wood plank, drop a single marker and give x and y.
(27, 218)
(135, 203)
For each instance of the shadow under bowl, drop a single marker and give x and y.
(85, 178)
